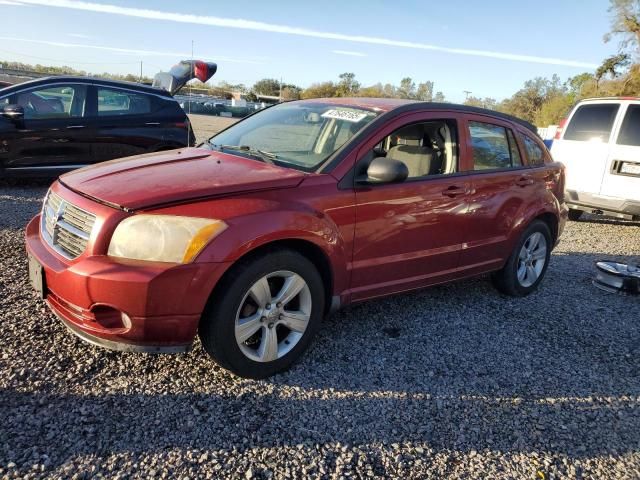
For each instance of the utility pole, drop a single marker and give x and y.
(280, 94)
(140, 71)
(466, 94)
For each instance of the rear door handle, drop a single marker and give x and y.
(454, 191)
(524, 181)
(75, 127)
(152, 123)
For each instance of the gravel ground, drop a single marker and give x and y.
(204, 126)
(455, 381)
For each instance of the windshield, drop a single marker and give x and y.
(296, 135)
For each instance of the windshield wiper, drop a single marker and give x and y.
(262, 154)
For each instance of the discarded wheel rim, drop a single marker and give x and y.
(616, 277)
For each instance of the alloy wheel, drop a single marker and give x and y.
(273, 316)
(532, 258)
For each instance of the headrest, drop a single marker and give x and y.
(412, 132)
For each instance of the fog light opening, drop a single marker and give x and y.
(111, 318)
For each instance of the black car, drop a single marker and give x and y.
(51, 125)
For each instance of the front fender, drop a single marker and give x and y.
(251, 231)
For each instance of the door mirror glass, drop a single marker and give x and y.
(386, 170)
(13, 112)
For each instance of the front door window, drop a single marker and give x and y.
(56, 102)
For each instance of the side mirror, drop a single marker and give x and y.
(385, 170)
(13, 112)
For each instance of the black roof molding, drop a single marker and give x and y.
(467, 109)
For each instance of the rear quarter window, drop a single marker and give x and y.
(112, 102)
(535, 154)
(592, 122)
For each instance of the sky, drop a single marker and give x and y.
(488, 48)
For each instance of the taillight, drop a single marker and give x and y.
(561, 125)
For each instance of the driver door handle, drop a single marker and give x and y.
(524, 181)
(454, 191)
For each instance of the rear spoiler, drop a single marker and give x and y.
(182, 72)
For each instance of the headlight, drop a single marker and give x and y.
(163, 238)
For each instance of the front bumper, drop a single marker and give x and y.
(125, 305)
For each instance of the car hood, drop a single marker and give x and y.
(156, 179)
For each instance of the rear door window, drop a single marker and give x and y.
(120, 102)
(630, 130)
(592, 122)
(492, 147)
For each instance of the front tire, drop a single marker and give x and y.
(528, 262)
(264, 314)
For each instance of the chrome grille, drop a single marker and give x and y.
(65, 227)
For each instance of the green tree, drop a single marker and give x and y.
(407, 88)
(320, 90)
(374, 91)
(625, 23)
(612, 66)
(439, 97)
(424, 91)
(291, 92)
(267, 86)
(527, 102)
(486, 102)
(389, 91)
(554, 110)
(347, 86)
(579, 84)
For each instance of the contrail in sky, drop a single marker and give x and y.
(243, 24)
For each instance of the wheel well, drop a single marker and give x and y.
(311, 251)
(552, 222)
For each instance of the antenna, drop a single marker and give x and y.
(189, 102)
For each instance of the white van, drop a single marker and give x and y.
(600, 146)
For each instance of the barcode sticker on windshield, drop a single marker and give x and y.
(347, 115)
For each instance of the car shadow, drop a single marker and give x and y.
(457, 368)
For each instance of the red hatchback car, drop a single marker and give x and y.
(295, 211)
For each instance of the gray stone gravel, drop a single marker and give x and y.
(455, 381)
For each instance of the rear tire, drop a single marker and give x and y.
(264, 314)
(575, 215)
(528, 262)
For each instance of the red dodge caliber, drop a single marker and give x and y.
(249, 240)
